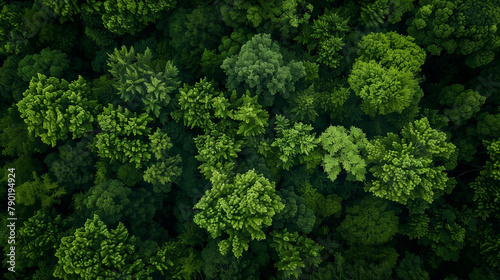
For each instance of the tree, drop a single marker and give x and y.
(94, 252)
(39, 237)
(344, 147)
(12, 28)
(253, 119)
(455, 27)
(165, 170)
(200, 105)
(464, 103)
(411, 268)
(216, 151)
(174, 260)
(192, 32)
(492, 166)
(295, 253)
(239, 206)
(109, 200)
(49, 62)
(296, 216)
(369, 222)
(392, 50)
(73, 165)
(40, 194)
(52, 108)
(323, 206)
(260, 68)
(294, 144)
(139, 84)
(383, 90)
(131, 16)
(119, 139)
(408, 167)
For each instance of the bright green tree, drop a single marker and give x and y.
(293, 145)
(383, 90)
(492, 167)
(164, 169)
(344, 148)
(52, 108)
(240, 206)
(94, 252)
(119, 137)
(216, 151)
(200, 105)
(412, 166)
(392, 50)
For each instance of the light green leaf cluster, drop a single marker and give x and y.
(94, 252)
(216, 151)
(406, 168)
(384, 74)
(293, 144)
(392, 50)
(199, 105)
(382, 90)
(344, 149)
(492, 168)
(118, 139)
(240, 206)
(253, 119)
(52, 108)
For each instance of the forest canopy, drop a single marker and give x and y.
(280, 139)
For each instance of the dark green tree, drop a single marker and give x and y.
(49, 62)
(369, 222)
(141, 85)
(260, 68)
(296, 253)
(463, 27)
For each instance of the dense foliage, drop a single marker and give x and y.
(279, 139)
